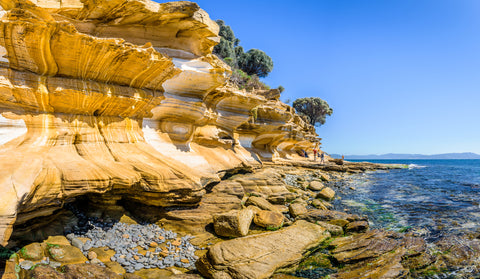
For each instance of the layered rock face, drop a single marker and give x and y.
(123, 98)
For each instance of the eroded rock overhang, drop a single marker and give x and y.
(125, 98)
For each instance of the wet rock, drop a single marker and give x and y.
(372, 244)
(385, 266)
(234, 223)
(334, 230)
(458, 252)
(357, 226)
(334, 217)
(380, 254)
(258, 256)
(269, 219)
(326, 194)
(319, 204)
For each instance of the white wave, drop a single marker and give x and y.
(415, 166)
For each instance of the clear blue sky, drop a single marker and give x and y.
(402, 76)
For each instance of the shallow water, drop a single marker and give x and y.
(430, 197)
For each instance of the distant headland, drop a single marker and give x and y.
(393, 156)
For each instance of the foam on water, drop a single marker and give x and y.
(415, 166)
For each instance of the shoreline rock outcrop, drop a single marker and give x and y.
(259, 256)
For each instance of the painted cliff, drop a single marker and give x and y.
(124, 98)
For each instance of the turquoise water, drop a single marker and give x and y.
(430, 197)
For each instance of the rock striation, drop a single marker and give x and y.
(124, 99)
(259, 256)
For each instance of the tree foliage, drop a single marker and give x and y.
(244, 81)
(314, 109)
(225, 50)
(256, 62)
(253, 62)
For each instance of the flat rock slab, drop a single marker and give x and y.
(379, 254)
(315, 215)
(258, 256)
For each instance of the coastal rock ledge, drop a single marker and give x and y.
(123, 101)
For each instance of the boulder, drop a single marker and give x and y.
(32, 252)
(297, 209)
(277, 199)
(316, 185)
(281, 208)
(319, 204)
(260, 203)
(270, 220)
(326, 194)
(258, 256)
(234, 223)
(65, 254)
(324, 177)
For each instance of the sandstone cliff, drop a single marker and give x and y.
(124, 97)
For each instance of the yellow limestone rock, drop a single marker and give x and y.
(130, 104)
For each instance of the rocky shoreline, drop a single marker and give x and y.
(269, 232)
(134, 249)
(127, 152)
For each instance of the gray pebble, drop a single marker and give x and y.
(138, 266)
(77, 243)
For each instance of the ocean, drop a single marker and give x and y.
(430, 197)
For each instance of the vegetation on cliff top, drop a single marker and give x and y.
(248, 67)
